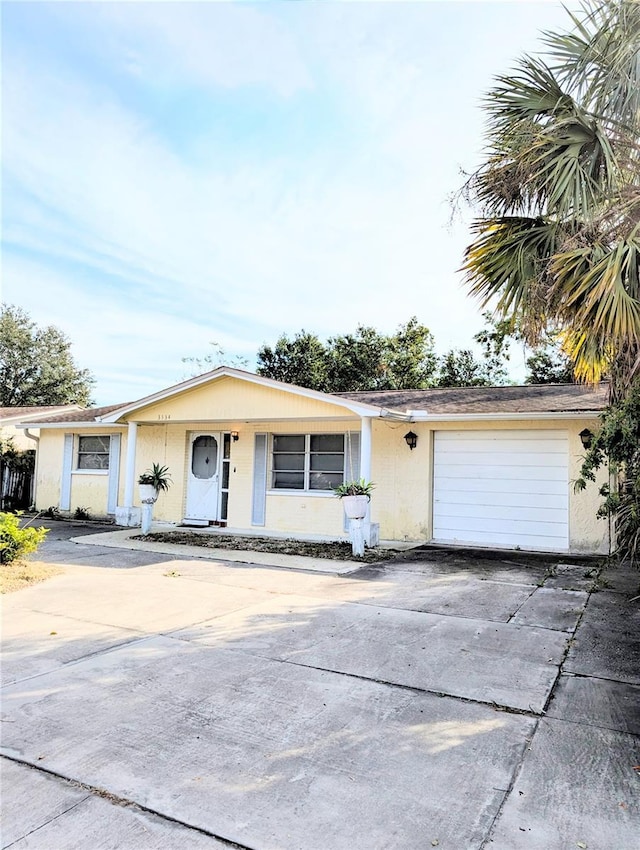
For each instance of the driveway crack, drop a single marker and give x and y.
(47, 822)
(514, 778)
(94, 791)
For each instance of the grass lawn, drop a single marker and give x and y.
(24, 573)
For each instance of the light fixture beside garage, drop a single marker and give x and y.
(235, 436)
(411, 440)
(586, 438)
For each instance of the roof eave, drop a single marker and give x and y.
(422, 416)
(91, 423)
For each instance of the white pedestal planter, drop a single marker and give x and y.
(148, 494)
(355, 508)
(129, 517)
(148, 497)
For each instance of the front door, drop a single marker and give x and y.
(203, 478)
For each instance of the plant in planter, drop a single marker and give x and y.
(354, 488)
(355, 496)
(152, 482)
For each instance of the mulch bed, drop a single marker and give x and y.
(335, 550)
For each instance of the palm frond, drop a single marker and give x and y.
(531, 92)
(595, 290)
(590, 360)
(507, 262)
(598, 60)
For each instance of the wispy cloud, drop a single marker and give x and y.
(177, 173)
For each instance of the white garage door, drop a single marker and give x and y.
(502, 488)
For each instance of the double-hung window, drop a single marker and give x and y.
(307, 461)
(93, 453)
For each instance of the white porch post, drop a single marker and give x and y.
(365, 448)
(130, 469)
(370, 533)
(127, 514)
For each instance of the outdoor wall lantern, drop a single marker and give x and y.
(235, 436)
(412, 440)
(586, 438)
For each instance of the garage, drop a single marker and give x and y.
(502, 488)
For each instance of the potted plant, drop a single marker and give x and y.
(152, 482)
(355, 496)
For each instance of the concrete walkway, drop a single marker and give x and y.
(443, 701)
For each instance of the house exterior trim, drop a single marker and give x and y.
(422, 416)
(358, 408)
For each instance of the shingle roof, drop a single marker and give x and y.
(90, 414)
(32, 410)
(545, 398)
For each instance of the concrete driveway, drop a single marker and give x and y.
(445, 700)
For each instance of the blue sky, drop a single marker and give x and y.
(180, 173)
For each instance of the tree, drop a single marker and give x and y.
(364, 360)
(411, 356)
(495, 341)
(36, 365)
(549, 365)
(219, 357)
(302, 361)
(369, 360)
(359, 361)
(546, 362)
(558, 238)
(460, 368)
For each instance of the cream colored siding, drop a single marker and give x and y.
(50, 451)
(402, 498)
(317, 513)
(230, 399)
(89, 489)
(586, 532)
(401, 502)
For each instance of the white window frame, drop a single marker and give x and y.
(306, 490)
(76, 456)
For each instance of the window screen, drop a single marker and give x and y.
(307, 461)
(93, 452)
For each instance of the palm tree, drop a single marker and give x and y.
(558, 243)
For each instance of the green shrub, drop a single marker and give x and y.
(617, 446)
(82, 513)
(15, 541)
(14, 459)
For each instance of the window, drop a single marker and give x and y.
(93, 452)
(307, 461)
